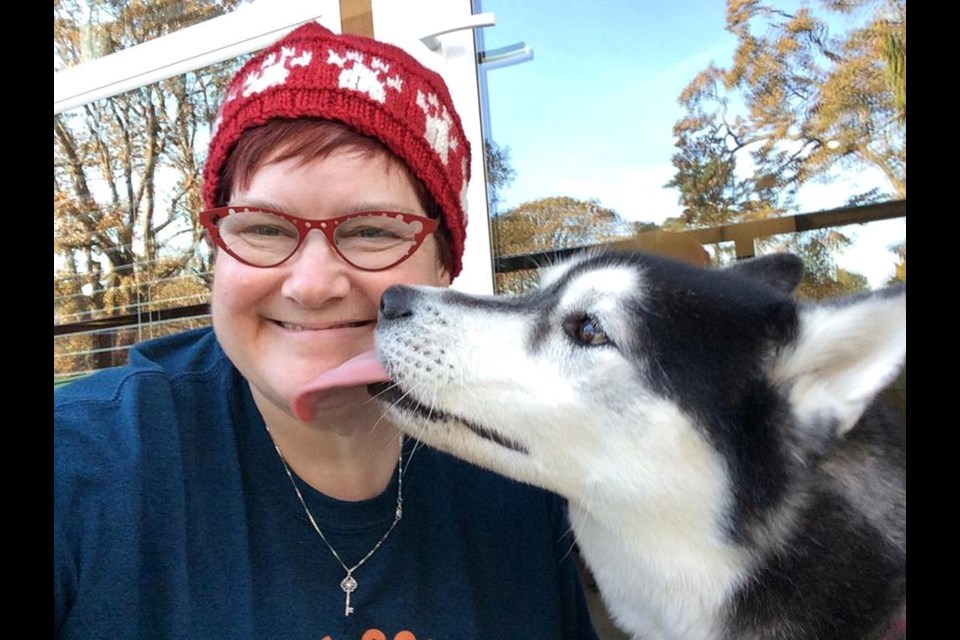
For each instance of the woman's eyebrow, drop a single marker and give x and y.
(358, 206)
(382, 205)
(258, 203)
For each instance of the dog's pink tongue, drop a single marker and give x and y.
(359, 370)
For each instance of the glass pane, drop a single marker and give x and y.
(130, 262)
(84, 30)
(621, 124)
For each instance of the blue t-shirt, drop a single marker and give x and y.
(174, 518)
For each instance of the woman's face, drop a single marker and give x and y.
(283, 326)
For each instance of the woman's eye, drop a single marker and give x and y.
(585, 330)
(372, 233)
(375, 233)
(264, 230)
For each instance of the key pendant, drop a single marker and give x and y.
(349, 585)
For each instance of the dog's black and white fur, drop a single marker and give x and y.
(728, 470)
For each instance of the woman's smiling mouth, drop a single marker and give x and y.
(350, 324)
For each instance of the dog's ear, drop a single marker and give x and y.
(782, 271)
(844, 353)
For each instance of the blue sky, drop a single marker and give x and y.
(591, 115)
(594, 110)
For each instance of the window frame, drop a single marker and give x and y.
(246, 29)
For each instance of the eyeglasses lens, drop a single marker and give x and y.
(258, 237)
(374, 241)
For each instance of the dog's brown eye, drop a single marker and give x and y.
(585, 330)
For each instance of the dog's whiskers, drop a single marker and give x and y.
(417, 440)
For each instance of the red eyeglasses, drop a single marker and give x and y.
(370, 240)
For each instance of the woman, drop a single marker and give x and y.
(191, 502)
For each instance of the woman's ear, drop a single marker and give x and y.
(443, 274)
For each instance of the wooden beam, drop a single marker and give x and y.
(743, 234)
(356, 17)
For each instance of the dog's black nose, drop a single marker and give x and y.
(397, 302)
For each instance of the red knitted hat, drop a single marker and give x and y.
(376, 88)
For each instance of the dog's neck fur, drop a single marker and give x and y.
(681, 579)
(674, 558)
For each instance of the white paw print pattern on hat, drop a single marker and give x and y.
(365, 78)
(438, 125)
(275, 69)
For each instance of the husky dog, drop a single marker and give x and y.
(728, 470)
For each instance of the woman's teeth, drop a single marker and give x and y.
(300, 327)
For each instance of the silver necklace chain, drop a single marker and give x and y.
(349, 583)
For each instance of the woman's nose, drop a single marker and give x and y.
(315, 273)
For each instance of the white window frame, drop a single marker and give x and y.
(439, 34)
(246, 29)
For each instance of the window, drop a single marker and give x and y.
(136, 88)
(613, 101)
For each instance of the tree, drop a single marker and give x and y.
(711, 192)
(822, 277)
(895, 56)
(900, 268)
(127, 176)
(799, 102)
(500, 172)
(556, 222)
